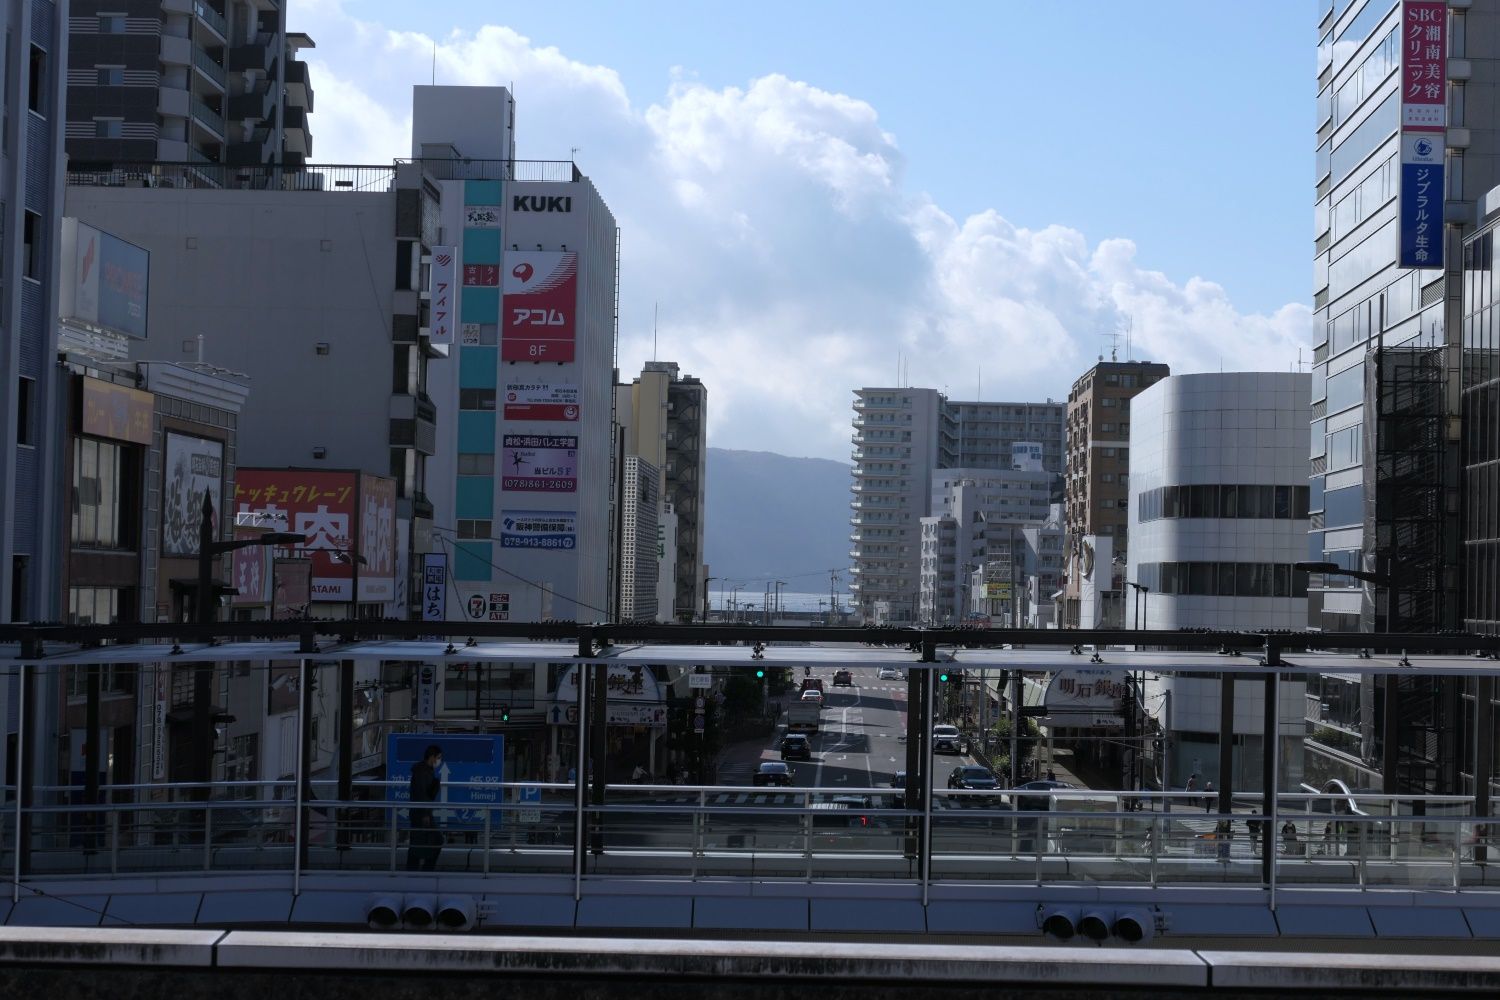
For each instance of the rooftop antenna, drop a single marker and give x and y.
(979, 384)
(573, 153)
(434, 62)
(1129, 328)
(1114, 345)
(655, 315)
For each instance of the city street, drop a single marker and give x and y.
(861, 742)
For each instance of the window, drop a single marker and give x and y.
(26, 389)
(474, 529)
(1110, 452)
(111, 24)
(93, 605)
(476, 464)
(108, 128)
(109, 76)
(102, 488)
(37, 81)
(1107, 401)
(485, 688)
(476, 399)
(31, 248)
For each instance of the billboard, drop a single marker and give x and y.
(538, 529)
(249, 576)
(539, 401)
(377, 533)
(434, 587)
(1424, 119)
(291, 588)
(325, 507)
(540, 463)
(192, 466)
(443, 295)
(539, 305)
(116, 411)
(1026, 456)
(109, 281)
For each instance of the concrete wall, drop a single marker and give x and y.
(265, 276)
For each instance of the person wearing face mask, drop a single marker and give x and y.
(426, 838)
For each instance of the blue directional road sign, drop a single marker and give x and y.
(479, 759)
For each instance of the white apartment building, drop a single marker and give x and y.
(902, 437)
(640, 541)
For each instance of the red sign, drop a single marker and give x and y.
(539, 306)
(249, 569)
(323, 506)
(292, 592)
(482, 274)
(1424, 59)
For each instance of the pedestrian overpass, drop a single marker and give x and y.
(1379, 872)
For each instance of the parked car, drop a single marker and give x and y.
(843, 678)
(890, 673)
(773, 772)
(796, 746)
(974, 777)
(945, 739)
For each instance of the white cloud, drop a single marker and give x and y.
(771, 224)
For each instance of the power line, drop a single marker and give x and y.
(544, 588)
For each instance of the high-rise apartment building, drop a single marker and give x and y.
(186, 81)
(664, 415)
(1097, 478)
(1481, 420)
(31, 389)
(901, 437)
(640, 512)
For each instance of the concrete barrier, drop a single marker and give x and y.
(126, 946)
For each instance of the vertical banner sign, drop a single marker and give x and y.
(1424, 120)
(434, 587)
(443, 294)
(539, 306)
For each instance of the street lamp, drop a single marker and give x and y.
(706, 581)
(204, 612)
(1140, 590)
(779, 585)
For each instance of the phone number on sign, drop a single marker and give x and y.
(542, 542)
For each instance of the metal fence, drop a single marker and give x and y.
(202, 174)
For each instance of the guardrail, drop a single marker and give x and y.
(1043, 838)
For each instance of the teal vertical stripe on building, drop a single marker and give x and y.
(474, 497)
(481, 192)
(476, 433)
(481, 246)
(479, 305)
(471, 560)
(477, 368)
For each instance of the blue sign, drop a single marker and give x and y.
(1421, 214)
(479, 759)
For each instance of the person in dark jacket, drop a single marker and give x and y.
(426, 838)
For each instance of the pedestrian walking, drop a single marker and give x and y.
(638, 775)
(1290, 845)
(1208, 801)
(1223, 835)
(426, 786)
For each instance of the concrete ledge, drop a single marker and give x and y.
(717, 913)
(663, 912)
(1402, 974)
(1324, 921)
(785, 960)
(107, 946)
(154, 910)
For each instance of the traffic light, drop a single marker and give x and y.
(943, 677)
(760, 673)
(504, 713)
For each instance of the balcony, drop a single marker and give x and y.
(213, 19)
(172, 102)
(298, 90)
(204, 63)
(254, 105)
(252, 57)
(208, 118)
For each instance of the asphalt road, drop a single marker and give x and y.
(861, 742)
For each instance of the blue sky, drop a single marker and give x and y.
(996, 177)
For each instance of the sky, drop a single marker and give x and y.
(973, 197)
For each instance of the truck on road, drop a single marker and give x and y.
(804, 716)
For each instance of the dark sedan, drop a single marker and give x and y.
(973, 777)
(773, 772)
(796, 746)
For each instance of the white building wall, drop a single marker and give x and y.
(1244, 428)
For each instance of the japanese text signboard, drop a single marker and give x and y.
(443, 293)
(541, 463)
(1424, 118)
(434, 587)
(539, 306)
(538, 529)
(538, 401)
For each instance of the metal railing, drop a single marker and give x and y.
(1061, 837)
(255, 177)
(208, 116)
(205, 64)
(442, 168)
(212, 18)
